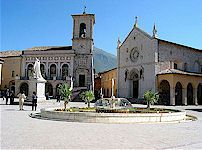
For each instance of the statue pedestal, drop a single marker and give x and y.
(38, 85)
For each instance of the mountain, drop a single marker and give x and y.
(103, 60)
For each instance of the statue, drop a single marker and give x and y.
(37, 71)
(101, 95)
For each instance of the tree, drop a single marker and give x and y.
(151, 98)
(65, 92)
(82, 96)
(88, 96)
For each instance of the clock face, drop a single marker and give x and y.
(134, 54)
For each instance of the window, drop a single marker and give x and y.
(185, 66)
(175, 66)
(29, 70)
(13, 73)
(42, 68)
(65, 71)
(53, 70)
(82, 32)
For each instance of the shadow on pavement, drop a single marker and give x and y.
(198, 110)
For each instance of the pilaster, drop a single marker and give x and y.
(172, 96)
(184, 96)
(195, 96)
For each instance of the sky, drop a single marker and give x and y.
(29, 23)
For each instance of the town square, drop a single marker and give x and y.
(126, 76)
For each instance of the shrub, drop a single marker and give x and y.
(151, 98)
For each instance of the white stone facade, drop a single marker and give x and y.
(143, 63)
(142, 57)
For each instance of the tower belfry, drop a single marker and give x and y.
(82, 44)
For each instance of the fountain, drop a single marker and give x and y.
(113, 110)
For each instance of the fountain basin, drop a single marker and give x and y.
(94, 117)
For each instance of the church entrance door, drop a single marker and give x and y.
(81, 80)
(135, 89)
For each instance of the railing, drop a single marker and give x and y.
(46, 78)
(24, 78)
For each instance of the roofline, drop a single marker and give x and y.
(107, 71)
(194, 74)
(83, 15)
(198, 50)
(11, 56)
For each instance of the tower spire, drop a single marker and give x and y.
(118, 43)
(154, 31)
(84, 10)
(136, 22)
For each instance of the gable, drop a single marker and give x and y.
(138, 30)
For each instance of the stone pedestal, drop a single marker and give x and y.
(37, 85)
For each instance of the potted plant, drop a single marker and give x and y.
(151, 98)
(65, 92)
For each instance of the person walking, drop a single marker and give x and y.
(12, 98)
(58, 97)
(7, 95)
(3, 94)
(34, 101)
(22, 98)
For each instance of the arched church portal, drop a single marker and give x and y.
(134, 78)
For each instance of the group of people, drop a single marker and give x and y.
(22, 97)
(7, 94)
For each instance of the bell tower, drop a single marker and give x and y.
(82, 44)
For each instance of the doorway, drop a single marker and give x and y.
(135, 88)
(24, 88)
(81, 80)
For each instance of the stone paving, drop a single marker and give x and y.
(19, 131)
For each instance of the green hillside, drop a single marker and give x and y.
(103, 60)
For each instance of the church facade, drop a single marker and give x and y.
(146, 62)
(58, 63)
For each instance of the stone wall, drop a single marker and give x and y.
(11, 64)
(180, 55)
